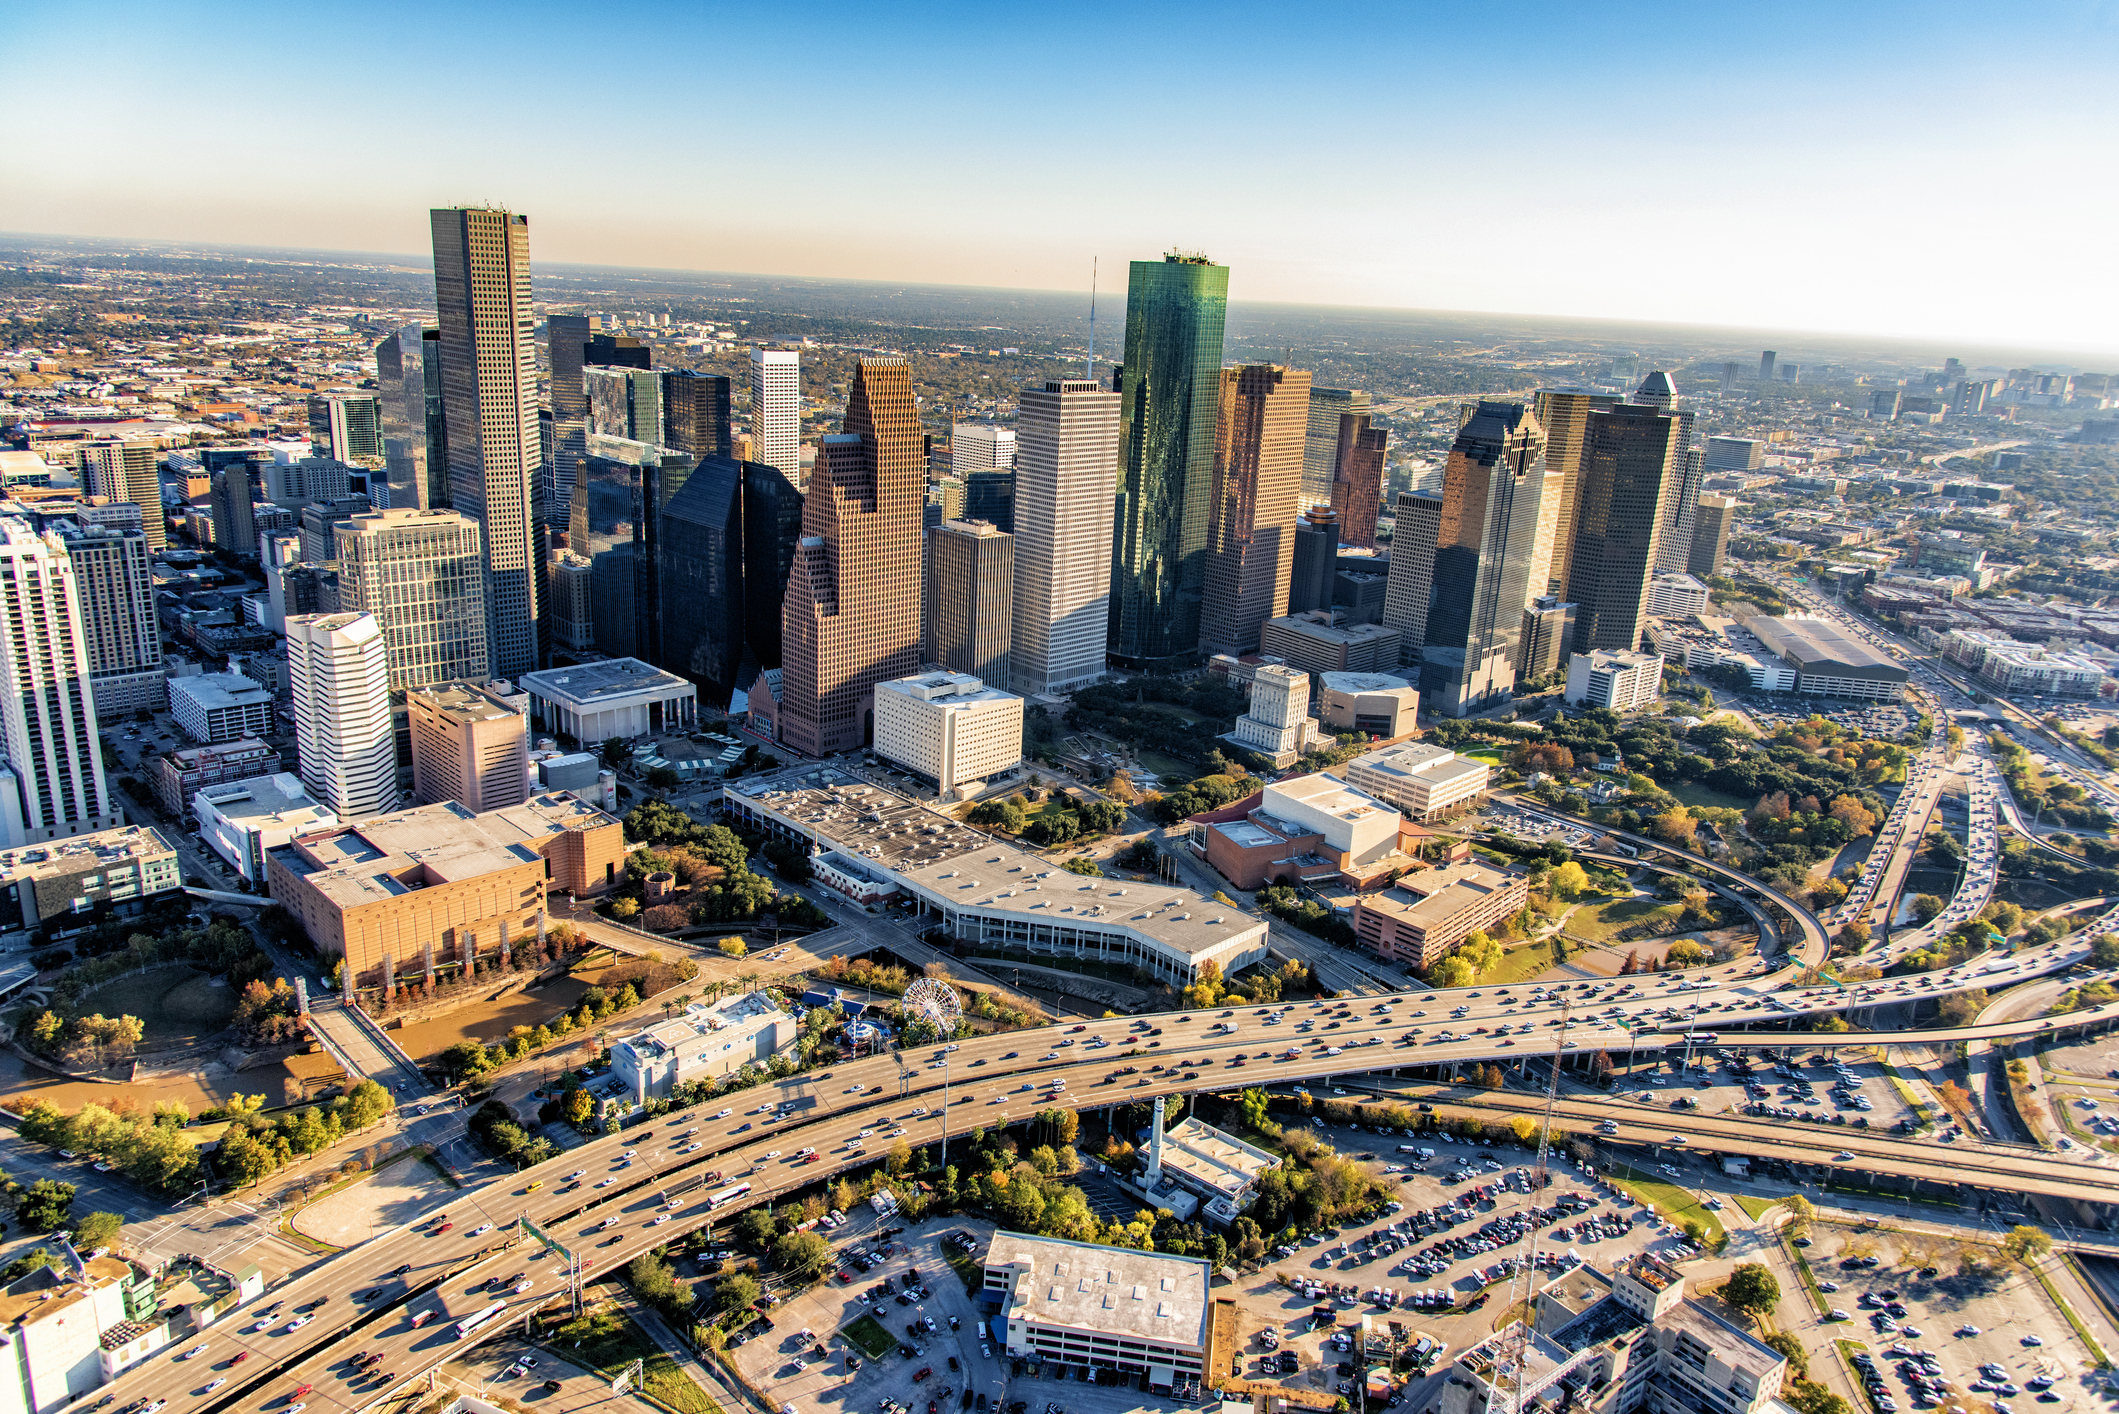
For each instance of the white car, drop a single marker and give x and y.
(724, 1112)
(660, 1218)
(481, 1230)
(216, 1384)
(577, 1173)
(772, 1153)
(195, 1350)
(632, 1153)
(297, 1323)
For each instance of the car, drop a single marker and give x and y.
(400, 1271)
(301, 1391)
(1967, 1329)
(211, 1385)
(297, 1323)
(239, 1357)
(924, 1372)
(445, 1227)
(2033, 1340)
(481, 1230)
(193, 1353)
(551, 1386)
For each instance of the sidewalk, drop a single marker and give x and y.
(731, 1398)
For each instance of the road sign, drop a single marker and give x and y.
(552, 1244)
(623, 1380)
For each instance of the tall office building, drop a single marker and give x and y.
(489, 384)
(1678, 530)
(776, 410)
(570, 578)
(1316, 560)
(1409, 587)
(700, 580)
(980, 446)
(1564, 414)
(851, 617)
(234, 528)
(1169, 388)
(695, 414)
(469, 744)
(1494, 486)
(347, 427)
(772, 529)
(125, 471)
(566, 342)
(1765, 366)
(1710, 536)
(1320, 442)
(51, 783)
(615, 351)
(1066, 468)
(1735, 453)
(625, 402)
(990, 496)
(338, 667)
(420, 575)
(659, 473)
(415, 427)
(1631, 464)
(1357, 479)
(114, 577)
(970, 598)
(1548, 633)
(1258, 435)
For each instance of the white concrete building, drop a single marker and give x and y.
(243, 819)
(1143, 1313)
(2023, 669)
(980, 446)
(949, 728)
(1278, 724)
(1424, 781)
(60, 1338)
(338, 667)
(1618, 682)
(622, 697)
(1675, 595)
(776, 411)
(1066, 472)
(705, 1043)
(217, 707)
(51, 784)
(1373, 703)
(1354, 824)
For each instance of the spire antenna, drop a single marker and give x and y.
(1092, 319)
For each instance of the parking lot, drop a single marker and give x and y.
(1840, 1089)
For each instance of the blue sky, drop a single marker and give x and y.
(1938, 169)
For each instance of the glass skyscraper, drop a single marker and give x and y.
(1169, 390)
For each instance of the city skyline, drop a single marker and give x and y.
(1875, 127)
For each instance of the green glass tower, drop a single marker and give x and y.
(1169, 385)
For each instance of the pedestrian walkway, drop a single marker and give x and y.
(725, 1392)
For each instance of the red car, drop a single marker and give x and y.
(240, 1357)
(846, 1278)
(925, 1371)
(445, 1227)
(300, 1392)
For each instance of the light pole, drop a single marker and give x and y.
(945, 1109)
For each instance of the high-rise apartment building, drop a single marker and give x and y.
(1259, 428)
(1710, 536)
(125, 471)
(421, 576)
(970, 597)
(234, 528)
(114, 577)
(695, 414)
(1631, 463)
(415, 426)
(1320, 442)
(347, 427)
(1495, 486)
(776, 410)
(1410, 583)
(850, 618)
(489, 384)
(1357, 479)
(1169, 389)
(469, 744)
(1066, 468)
(338, 666)
(1564, 414)
(51, 782)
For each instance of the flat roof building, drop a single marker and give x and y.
(469, 744)
(706, 1042)
(1424, 781)
(220, 707)
(1372, 703)
(621, 697)
(1615, 681)
(84, 878)
(1315, 644)
(176, 775)
(1829, 660)
(242, 820)
(949, 728)
(1428, 913)
(1670, 595)
(1143, 1313)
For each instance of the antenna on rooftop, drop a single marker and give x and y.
(1091, 372)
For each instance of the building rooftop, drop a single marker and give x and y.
(1736, 1349)
(278, 799)
(593, 684)
(392, 855)
(1318, 624)
(945, 688)
(212, 690)
(47, 1292)
(1330, 795)
(1364, 682)
(1149, 1295)
(701, 1022)
(60, 858)
(463, 701)
(1433, 765)
(1430, 895)
(1212, 1159)
(1820, 648)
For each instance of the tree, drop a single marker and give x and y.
(1927, 907)
(576, 1106)
(1568, 882)
(756, 1229)
(2026, 1244)
(1801, 1213)
(100, 1229)
(44, 1205)
(803, 1256)
(1684, 953)
(1675, 826)
(466, 1060)
(1752, 1289)
(737, 1292)
(1858, 819)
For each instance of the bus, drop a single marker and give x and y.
(727, 1196)
(469, 1324)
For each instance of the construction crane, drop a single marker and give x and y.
(1525, 1281)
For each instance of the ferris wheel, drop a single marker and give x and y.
(936, 1001)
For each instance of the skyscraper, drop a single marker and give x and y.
(971, 598)
(695, 413)
(1494, 485)
(125, 471)
(1710, 536)
(776, 410)
(489, 383)
(700, 579)
(1169, 387)
(347, 427)
(234, 529)
(772, 528)
(659, 473)
(851, 617)
(1564, 414)
(1357, 479)
(1258, 434)
(420, 575)
(1320, 443)
(1765, 366)
(1066, 467)
(51, 782)
(980, 446)
(1676, 552)
(1630, 469)
(1410, 585)
(625, 402)
(415, 435)
(469, 744)
(114, 578)
(338, 668)
(1316, 559)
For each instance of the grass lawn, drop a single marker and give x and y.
(1602, 922)
(1171, 709)
(969, 1271)
(1672, 1201)
(174, 1003)
(1172, 771)
(1692, 793)
(868, 1333)
(1519, 964)
(609, 1342)
(1755, 1208)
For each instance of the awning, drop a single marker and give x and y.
(1165, 1375)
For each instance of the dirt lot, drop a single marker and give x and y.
(391, 1195)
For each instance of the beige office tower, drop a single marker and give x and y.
(421, 575)
(51, 783)
(1710, 536)
(979, 446)
(1564, 414)
(468, 745)
(1066, 472)
(1257, 490)
(1320, 442)
(1410, 585)
(776, 411)
(489, 391)
(338, 668)
(971, 597)
(573, 617)
(125, 471)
